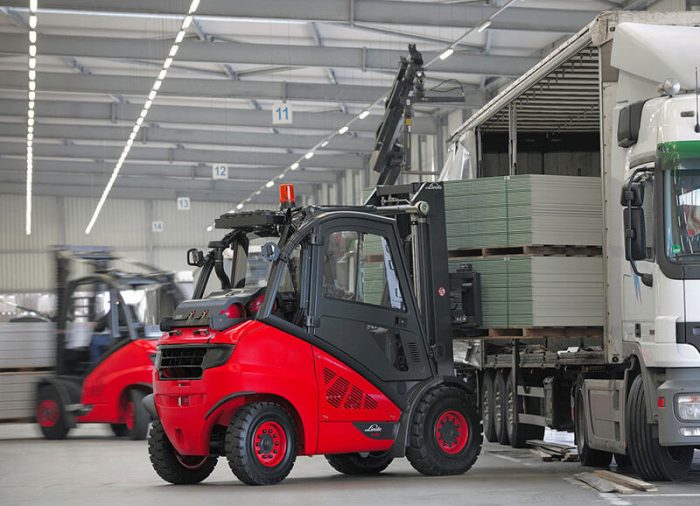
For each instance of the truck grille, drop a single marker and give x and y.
(181, 362)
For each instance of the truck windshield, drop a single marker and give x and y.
(680, 163)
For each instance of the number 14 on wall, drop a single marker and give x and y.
(281, 113)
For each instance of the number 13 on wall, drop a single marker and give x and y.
(281, 113)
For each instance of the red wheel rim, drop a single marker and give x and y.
(190, 462)
(47, 413)
(270, 443)
(451, 432)
(129, 414)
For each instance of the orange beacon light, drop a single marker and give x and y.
(287, 196)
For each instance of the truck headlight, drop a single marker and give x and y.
(688, 406)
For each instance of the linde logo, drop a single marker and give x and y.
(433, 186)
(373, 428)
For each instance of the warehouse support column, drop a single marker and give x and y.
(512, 140)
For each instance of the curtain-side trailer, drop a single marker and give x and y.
(619, 100)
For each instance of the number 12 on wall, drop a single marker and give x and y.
(281, 114)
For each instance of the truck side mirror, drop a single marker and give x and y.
(632, 195)
(635, 234)
(195, 257)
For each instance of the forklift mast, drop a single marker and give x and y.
(419, 210)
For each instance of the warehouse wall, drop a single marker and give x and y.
(25, 262)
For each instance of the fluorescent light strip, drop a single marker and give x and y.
(187, 20)
(31, 97)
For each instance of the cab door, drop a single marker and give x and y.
(361, 302)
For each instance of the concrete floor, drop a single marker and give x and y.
(93, 468)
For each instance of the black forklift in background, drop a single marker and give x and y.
(107, 322)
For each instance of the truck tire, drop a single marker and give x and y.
(356, 464)
(518, 433)
(487, 406)
(499, 409)
(261, 443)
(173, 467)
(587, 456)
(650, 460)
(137, 418)
(51, 413)
(119, 429)
(445, 435)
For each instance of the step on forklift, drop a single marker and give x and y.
(341, 346)
(107, 326)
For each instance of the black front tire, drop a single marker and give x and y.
(518, 433)
(650, 460)
(487, 406)
(587, 456)
(356, 464)
(51, 414)
(138, 429)
(425, 452)
(119, 429)
(500, 409)
(258, 455)
(172, 467)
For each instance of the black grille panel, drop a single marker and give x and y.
(181, 362)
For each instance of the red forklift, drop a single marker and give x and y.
(342, 347)
(106, 333)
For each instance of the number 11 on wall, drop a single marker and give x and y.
(281, 113)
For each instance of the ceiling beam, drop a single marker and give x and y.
(207, 88)
(424, 13)
(187, 137)
(163, 169)
(261, 54)
(88, 112)
(131, 193)
(141, 153)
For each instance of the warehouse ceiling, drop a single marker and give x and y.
(328, 59)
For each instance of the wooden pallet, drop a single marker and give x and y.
(542, 332)
(541, 250)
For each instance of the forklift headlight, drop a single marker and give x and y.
(217, 355)
(688, 406)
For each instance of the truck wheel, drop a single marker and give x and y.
(261, 443)
(445, 435)
(173, 467)
(499, 409)
(650, 460)
(51, 414)
(137, 418)
(356, 463)
(518, 433)
(587, 456)
(487, 406)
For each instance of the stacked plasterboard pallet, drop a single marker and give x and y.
(528, 291)
(523, 210)
(26, 354)
(503, 227)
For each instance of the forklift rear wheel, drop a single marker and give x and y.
(445, 434)
(261, 443)
(500, 408)
(136, 416)
(173, 467)
(356, 463)
(487, 406)
(587, 456)
(650, 460)
(518, 433)
(50, 413)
